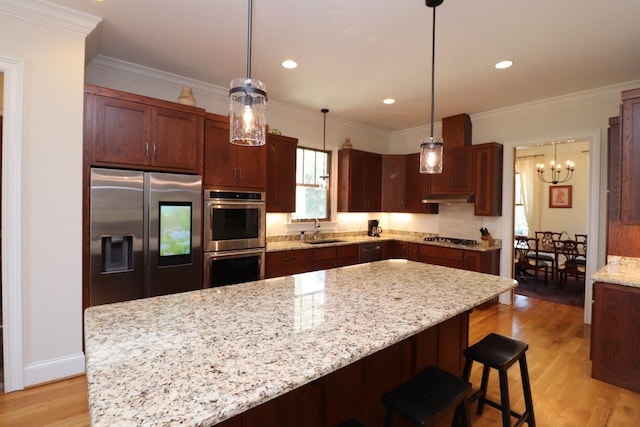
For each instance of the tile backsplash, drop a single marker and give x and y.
(457, 220)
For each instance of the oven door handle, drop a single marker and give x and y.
(232, 254)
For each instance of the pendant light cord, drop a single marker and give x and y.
(249, 39)
(433, 67)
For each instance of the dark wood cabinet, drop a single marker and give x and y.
(323, 258)
(347, 255)
(623, 226)
(229, 166)
(488, 179)
(359, 181)
(394, 183)
(457, 175)
(285, 263)
(478, 261)
(417, 187)
(630, 189)
(457, 130)
(132, 131)
(615, 335)
(281, 173)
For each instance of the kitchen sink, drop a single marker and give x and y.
(318, 242)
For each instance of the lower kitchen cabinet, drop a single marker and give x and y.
(286, 263)
(347, 255)
(323, 258)
(478, 261)
(615, 336)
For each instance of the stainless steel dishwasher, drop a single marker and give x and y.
(370, 252)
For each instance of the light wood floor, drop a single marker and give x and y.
(564, 393)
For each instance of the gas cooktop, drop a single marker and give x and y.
(452, 240)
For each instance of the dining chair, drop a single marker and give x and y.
(546, 251)
(582, 247)
(571, 250)
(527, 258)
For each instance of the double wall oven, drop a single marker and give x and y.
(234, 237)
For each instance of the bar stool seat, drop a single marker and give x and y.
(427, 398)
(500, 353)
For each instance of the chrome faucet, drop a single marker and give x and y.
(316, 229)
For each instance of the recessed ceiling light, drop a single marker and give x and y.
(504, 64)
(389, 101)
(289, 64)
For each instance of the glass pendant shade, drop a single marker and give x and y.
(324, 182)
(431, 155)
(248, 99)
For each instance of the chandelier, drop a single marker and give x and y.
(556, 169)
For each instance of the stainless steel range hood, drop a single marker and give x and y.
(449, 198)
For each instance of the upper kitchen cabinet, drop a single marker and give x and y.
(417, 187)
(133, 131)
(394, 183)
(630, 190)
(281, 173)
(488, 179)
(457, 173)
(359, 181)
(229, 166)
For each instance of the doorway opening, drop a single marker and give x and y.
(553, 210)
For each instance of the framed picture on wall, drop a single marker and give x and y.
(560, 196)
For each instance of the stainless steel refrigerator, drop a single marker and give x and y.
(145, 234)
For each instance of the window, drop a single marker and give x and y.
(312, 201)
(521, 228)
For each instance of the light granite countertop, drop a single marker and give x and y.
(290, 244)
(620, 271)
(198, 358)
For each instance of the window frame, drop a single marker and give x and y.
(328, 154)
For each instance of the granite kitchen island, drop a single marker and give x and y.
(286, 344)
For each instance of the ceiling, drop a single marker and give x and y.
(354, 53)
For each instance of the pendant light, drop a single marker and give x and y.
(556, 169)
(431, 148)
(248, 98)
(324, 178)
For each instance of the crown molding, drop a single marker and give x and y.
(586, 97)
(52, 15)
(140, 73)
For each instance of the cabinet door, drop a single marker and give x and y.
(121, 132)
(417, 187)
(439, 255)
(394, 173)
(347, 255)
(488, 179)
(630, 191)
(176, 139)
(615, 335)
(219, 155)
(251, 164)
(359, 181)
(281, 173)
(457, 173)
(323, 258)
(285, 263)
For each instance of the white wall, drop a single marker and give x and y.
(51, 234)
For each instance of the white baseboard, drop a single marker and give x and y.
(53, 369)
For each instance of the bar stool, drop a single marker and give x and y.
(427, 398)
(500, 353)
